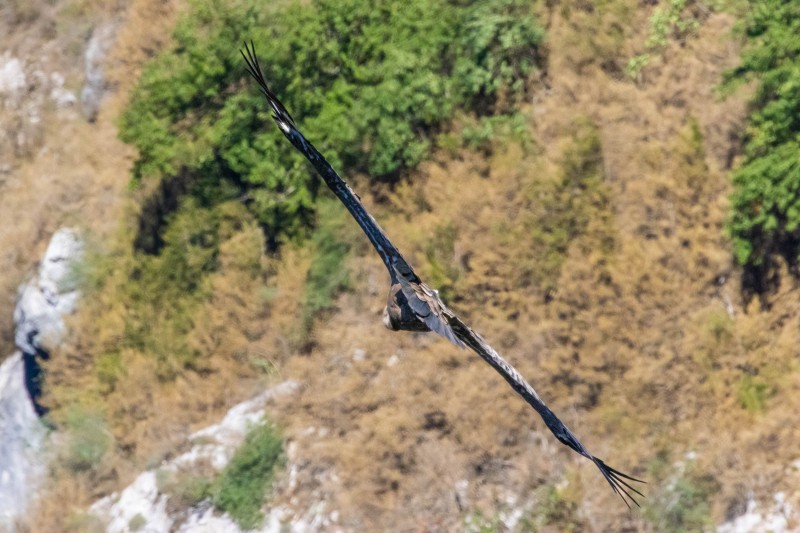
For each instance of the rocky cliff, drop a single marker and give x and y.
(39, 317)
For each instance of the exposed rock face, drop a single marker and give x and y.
(95, 85)
(780, 517)
(25, 89)
(21, 440)
(12, 77)
(19, 111)
(140, 499)
(49, 296)
(42, 304)
(39, 327)
(142, 503)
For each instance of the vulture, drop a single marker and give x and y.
(414, 306)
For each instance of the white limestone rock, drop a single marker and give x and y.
(141, 505)
(62, 97)
(780, 517)
(39, 325)
(44, 301)
(12, 78)
(94, 86)
(22, 437)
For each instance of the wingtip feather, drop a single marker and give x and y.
(254, 69)
(618, 484)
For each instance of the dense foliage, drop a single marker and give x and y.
(766, 200)
(370, 83)
(242, 486)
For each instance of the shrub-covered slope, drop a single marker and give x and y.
(577, 220)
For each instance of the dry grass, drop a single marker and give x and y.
(642, 343)
(62, 170)
(615, 351)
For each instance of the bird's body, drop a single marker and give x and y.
(398, 315)
(414, 306)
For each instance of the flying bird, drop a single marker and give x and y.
(414, 306)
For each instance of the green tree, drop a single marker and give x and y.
(242, 487)
(371, 83)
(765, 203)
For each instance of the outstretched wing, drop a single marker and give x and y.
(391, 257)
(425, 305)
(615, 478)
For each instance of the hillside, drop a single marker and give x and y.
(586, 241)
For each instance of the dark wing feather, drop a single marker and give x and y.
(426, 304)
(389, 254)
(617, 480)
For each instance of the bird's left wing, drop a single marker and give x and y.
(389, 254)
(425, 306)
(615, 478)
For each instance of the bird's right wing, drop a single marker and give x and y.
(615, 478)
(389, 254)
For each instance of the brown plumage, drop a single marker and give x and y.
(414, 306)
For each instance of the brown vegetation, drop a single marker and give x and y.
(630, 324)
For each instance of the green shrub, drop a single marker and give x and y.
(88, 439)
(765, 204)
(490, 131)
(137, 523)
(674, 20)
(635, 66)
(753, 394)
(370, 83)
(683, 504)
(241, 488)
